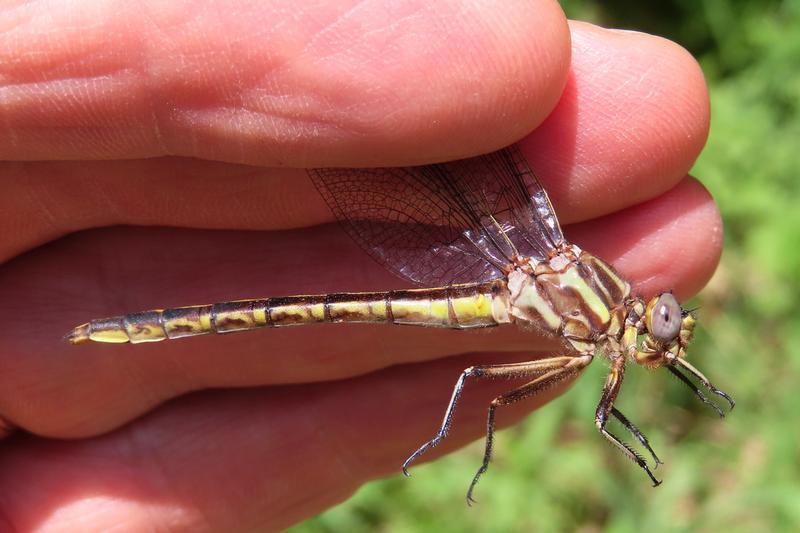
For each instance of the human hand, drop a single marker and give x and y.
(157, 112)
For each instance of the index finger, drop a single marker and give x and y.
(344, 85)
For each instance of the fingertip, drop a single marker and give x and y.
(632, 120)
(671, 242)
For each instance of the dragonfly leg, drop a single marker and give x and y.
(532, 388)
(704, 380)
(606, 407)
(509, 371)
(636, 433)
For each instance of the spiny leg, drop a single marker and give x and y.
(636, 432)
(604, 408)
(532, 388)
(697, 392)
(704, 380)
(512, 370)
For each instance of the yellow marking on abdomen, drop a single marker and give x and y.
(473, 311)
(358, 311)
(462, 306)
(288, 313)
(187, 321)
(420, 311)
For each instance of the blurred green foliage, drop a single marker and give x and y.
(553, 472)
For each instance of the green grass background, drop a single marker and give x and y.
(553, 472)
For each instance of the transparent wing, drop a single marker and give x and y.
(457, 222)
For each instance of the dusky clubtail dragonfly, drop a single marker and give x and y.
(482, 232)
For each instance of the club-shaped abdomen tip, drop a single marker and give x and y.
(79, 335)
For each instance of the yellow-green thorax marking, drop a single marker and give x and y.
(575, 295)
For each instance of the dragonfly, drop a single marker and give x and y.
(480, 239)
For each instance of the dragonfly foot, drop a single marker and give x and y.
(723, 394)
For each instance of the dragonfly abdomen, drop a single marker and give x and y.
(458, 306)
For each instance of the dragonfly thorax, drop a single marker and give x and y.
(574, 294)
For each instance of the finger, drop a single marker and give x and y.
(619, 135)
(632, 120)
(672, 242)
(260, 459)
(335, 85)
(52, 388)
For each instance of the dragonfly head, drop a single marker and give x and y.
(668, 330)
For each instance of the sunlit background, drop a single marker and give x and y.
(554, 472)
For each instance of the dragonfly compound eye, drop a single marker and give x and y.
(664, 317)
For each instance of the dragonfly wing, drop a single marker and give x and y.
(457, 222)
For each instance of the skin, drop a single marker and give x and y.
(198, 120)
